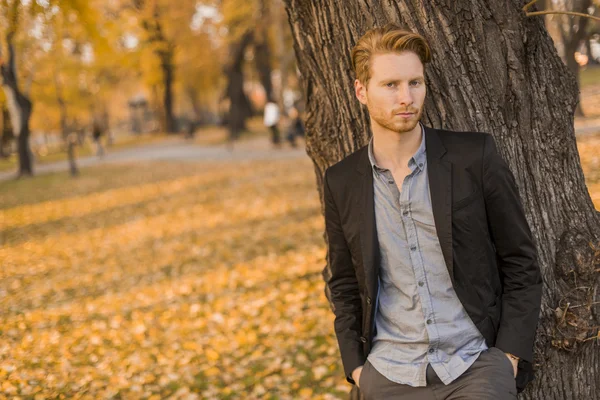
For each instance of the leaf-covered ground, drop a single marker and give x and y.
(172, 281)
(183, 281)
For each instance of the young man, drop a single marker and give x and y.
(435, 282)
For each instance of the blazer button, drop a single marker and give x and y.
(368, 300)
(363, 339)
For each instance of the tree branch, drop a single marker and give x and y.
(531, 14)
(529, 5)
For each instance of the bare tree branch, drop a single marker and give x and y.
(531, 14)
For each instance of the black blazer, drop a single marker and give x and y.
(483, 233)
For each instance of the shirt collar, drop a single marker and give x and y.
(418, 159)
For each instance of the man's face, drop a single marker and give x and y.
(396, 92)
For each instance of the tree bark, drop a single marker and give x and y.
(571, 46)
(493, 70)
(20, 109)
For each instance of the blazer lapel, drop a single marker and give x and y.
(368, 234)
(439, 171)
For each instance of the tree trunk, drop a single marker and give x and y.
(262, 50)
(20, 110)
(494, 70)
(62, 107)
(6, 136)
(263, 66)
(573, 67)
(239, 105)
(166, 64)
(70, 139)
(71, 143)
(164, 50)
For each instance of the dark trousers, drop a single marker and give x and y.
(490, 377)
(275, 137)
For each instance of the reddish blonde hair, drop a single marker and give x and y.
(387, 39)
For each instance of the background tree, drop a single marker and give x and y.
(255, 32)
(593, 32)
(160, 36)
(573, 32)
(18, 102)
(23, 22)
(495, 70)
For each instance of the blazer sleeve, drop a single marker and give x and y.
(517, 256)
(343, 286)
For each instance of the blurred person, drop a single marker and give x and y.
(271, 119)
(435, 282)
(296, 128)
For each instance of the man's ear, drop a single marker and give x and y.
(360, 91)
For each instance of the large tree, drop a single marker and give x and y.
(494, 69)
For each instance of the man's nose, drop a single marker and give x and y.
(404, 96)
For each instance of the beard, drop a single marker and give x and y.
(393, 122)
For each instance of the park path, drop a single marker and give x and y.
(178, 149)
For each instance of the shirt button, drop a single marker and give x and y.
(421, 165)
(390, 182)
(405, 213)
(413, 248)
(431, 351)
(368, 300)
(363, 339)
(421, 283)
(428, 321)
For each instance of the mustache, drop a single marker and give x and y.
(413, 111)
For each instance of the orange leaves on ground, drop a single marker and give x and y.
(195, 281)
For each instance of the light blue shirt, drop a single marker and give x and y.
(419, 318)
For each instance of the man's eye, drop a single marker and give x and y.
(415, 83)
(391, 84)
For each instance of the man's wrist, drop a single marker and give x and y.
(356, 370)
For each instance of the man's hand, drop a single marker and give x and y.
(514, 361)
(356, 374)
